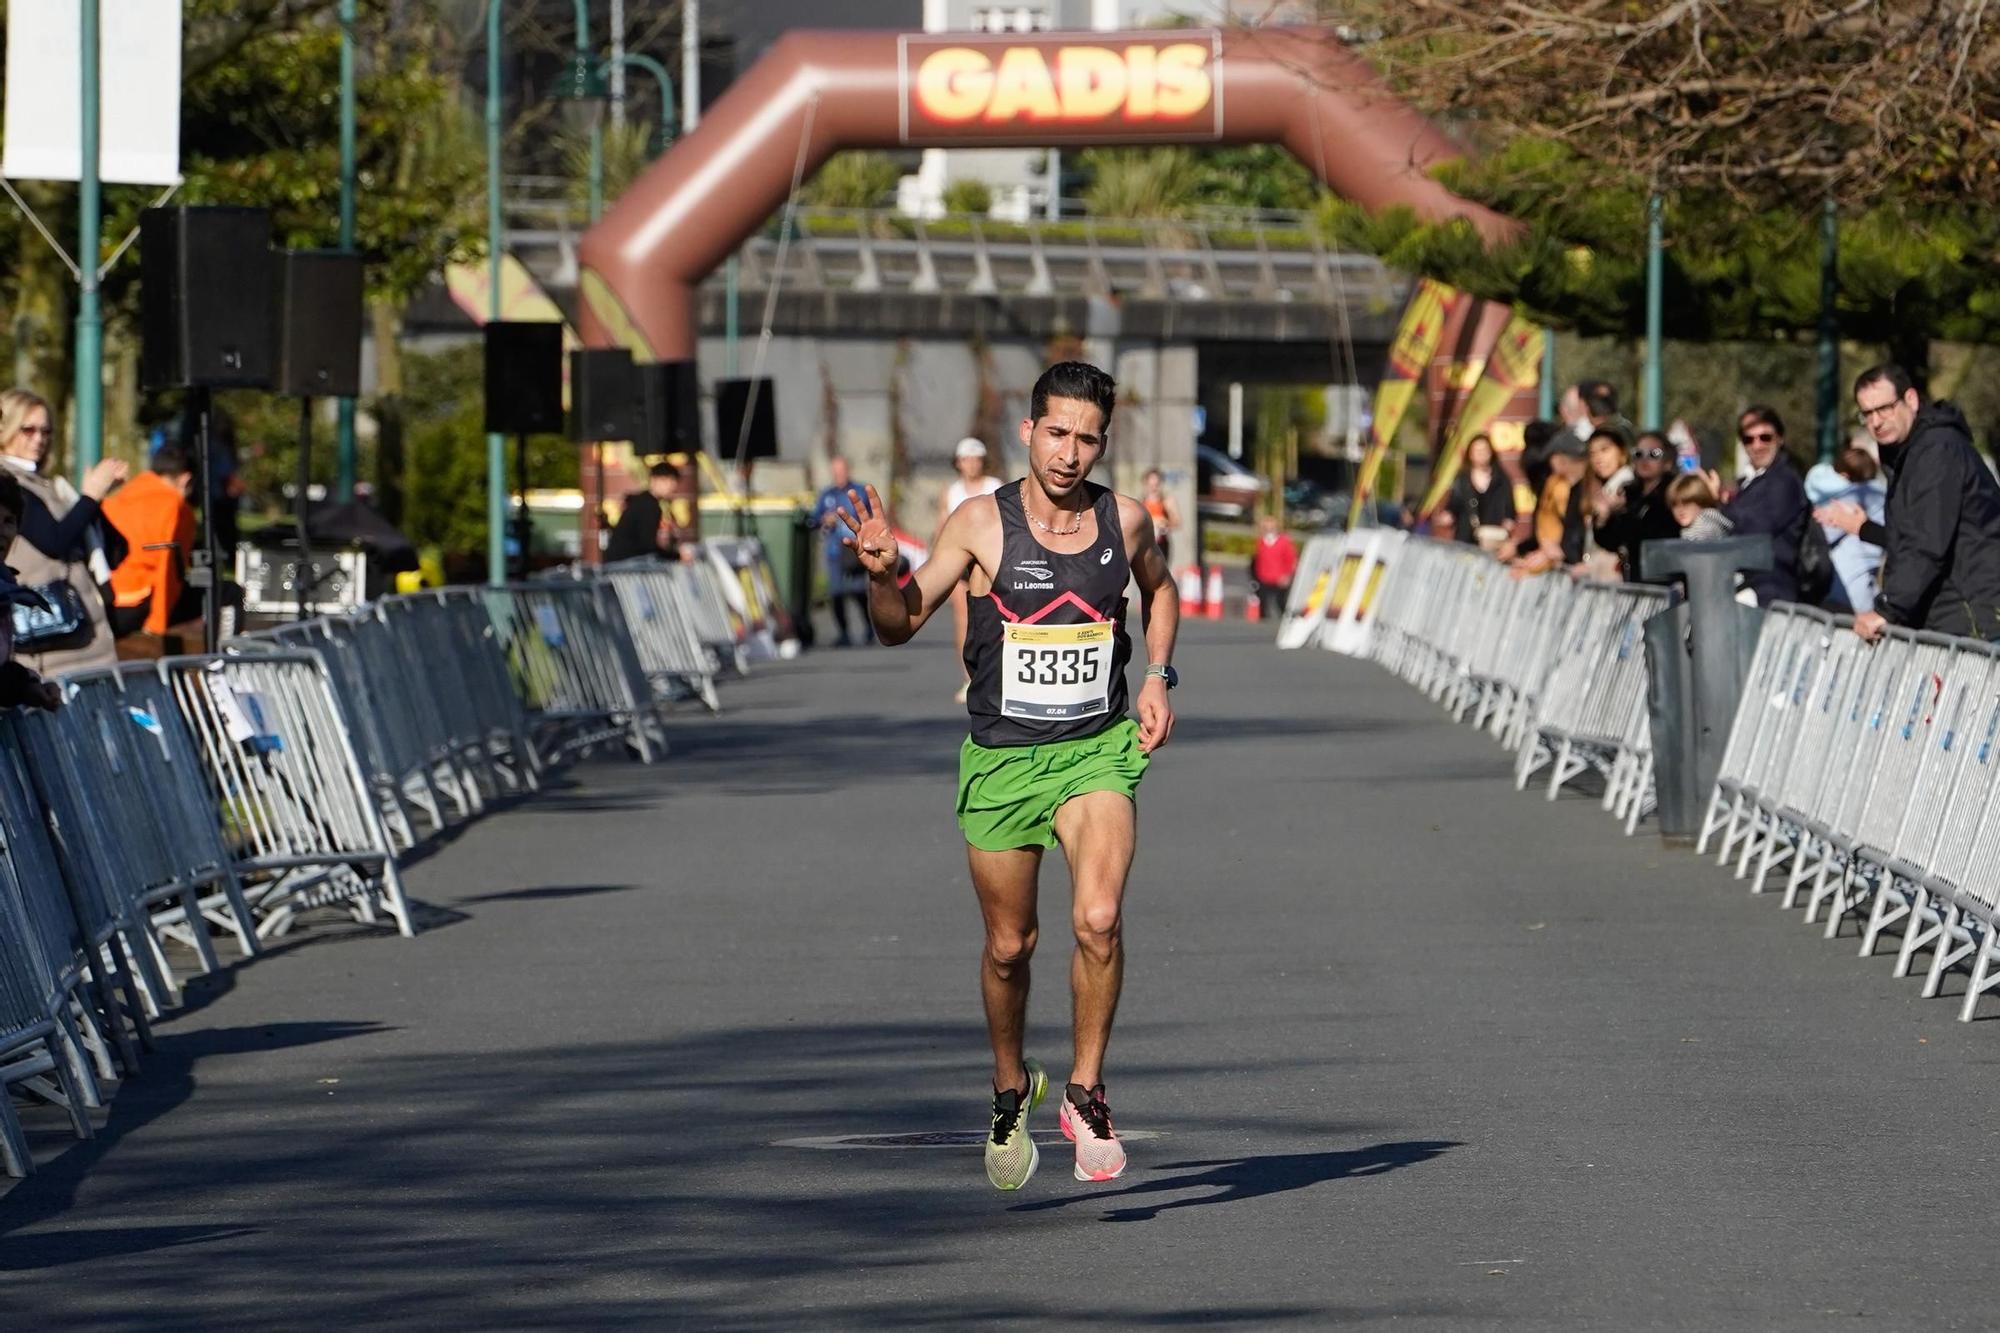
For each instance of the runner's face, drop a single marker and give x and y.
(970, 467)
(1064, 444)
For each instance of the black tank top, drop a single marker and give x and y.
(1047, 648)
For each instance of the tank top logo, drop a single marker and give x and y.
(1105, 559)
(1042, 578)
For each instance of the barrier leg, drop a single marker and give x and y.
(95, 1044)
(1844, 899)
(1955, 941)
(238, 922)
(1885, 911)
(79, 1081)
(1916, 934)
(1981, 981)
(124, 997)
(14, 1154)
(1802, 865)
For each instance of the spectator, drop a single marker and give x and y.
(1852, 478)
(1941, 547)
(19, 686)
(66, 548)
(1535, 438)
(152, 513)
(1166, 515)
(1638, 511)
(846, 582)
(1559, 526)
(654, 522)
(1272, 567)
(1482, 500)
(1696, 508)
(1772, 499)
(1606, 477)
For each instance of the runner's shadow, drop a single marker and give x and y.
(1236, 1179)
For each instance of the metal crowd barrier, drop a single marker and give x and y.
(1869, 773)
(575, 668)
(658, 601)
(1553, 668)
(169, 802)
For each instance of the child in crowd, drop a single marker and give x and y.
(1697, 508)
(19, 687)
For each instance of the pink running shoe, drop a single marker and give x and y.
(1086, 1122)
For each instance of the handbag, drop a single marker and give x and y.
(59, 620)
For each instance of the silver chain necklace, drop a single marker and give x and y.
(1069, 531)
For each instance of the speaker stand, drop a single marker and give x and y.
(522, 528)
(302, 570)
(206, 574)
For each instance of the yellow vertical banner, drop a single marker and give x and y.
(1515, 364)
(1409, 355)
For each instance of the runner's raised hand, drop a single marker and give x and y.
(873, 541)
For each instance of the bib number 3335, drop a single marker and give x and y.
(1051, 672)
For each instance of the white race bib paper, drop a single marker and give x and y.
(1056, 672)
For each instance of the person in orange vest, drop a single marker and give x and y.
(153, 513)
(1272, 567)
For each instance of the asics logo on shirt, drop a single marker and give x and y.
(1105, 559)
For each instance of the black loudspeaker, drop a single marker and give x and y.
(207, 298)
(733, 398)
(670, 402)
(523, 378)
(319, 337)
(603, 395)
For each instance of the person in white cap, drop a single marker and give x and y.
(972, 480)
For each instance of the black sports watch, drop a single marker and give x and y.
(1164, 672)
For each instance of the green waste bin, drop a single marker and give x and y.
(784, 524)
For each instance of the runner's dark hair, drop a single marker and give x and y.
(1073, 379)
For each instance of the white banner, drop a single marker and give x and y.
(139, 83)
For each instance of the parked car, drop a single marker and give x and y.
(1224, 488)
(1310, 505)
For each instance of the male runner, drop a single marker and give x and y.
(1052, 757)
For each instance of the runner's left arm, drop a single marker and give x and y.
(899, 610)
(1159, 615)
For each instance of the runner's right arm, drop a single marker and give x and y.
(899, 611)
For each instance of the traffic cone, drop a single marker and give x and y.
(1190, 590)
(1253, 609)
(1212, 604)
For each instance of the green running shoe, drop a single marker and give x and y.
(1011, 1155)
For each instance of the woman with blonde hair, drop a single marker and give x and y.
(66, 548)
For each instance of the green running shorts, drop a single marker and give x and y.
(1008, 797)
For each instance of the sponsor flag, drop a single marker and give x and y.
(1409, 356)
(1514, 365)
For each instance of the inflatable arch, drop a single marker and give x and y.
(815, 93)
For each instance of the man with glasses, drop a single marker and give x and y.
(1941, 537)
(1771, 499)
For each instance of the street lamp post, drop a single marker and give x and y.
(345, 451)
(89, 246)
(663, 133)
(496, 239)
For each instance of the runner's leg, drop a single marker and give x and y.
(1098, 831)
(1005, 883)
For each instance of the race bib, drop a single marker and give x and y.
(1055, 672)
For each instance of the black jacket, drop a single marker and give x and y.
(1492, 507)
(1941, 563)
(1773, 501)
(637, 531)
(1646, 517)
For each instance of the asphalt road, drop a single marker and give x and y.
(1417, 1049)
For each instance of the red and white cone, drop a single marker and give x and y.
(1253, 609)
(1212, 604)
(1190, 588)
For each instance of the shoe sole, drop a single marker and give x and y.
(1038, 1088)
